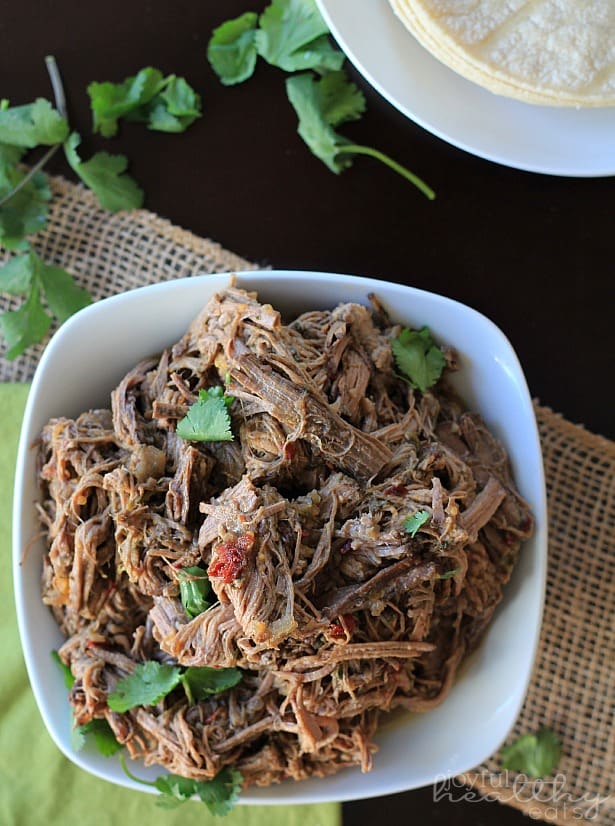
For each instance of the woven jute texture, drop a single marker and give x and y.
(573, 687)
(573, 684)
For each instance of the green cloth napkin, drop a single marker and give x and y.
(38, 785)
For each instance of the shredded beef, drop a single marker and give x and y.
(333, 610)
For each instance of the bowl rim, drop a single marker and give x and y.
(255, 796)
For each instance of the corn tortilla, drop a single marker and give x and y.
(550, 52)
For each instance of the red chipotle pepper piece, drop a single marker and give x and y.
(337, 629)
(232, 557)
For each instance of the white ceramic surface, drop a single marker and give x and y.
(90, 354)
(553, 140)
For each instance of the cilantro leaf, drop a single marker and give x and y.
(218, 794)
(194, 588)
(418, 357)
(339, 100)
(221, 793)
(62, 294)
(69, 680)
(208, 419)
(25, 212)
(28, 273)
(175, 108)
(146, 686)
(416, 521)
(536, 755)
(304, 94)
(111, 101)
(16, 275)
(449, 574)
(202, 682)
(104, 738)
(32, 125)
(174, 790)
(320, 108)
(232, 49)
(24, 326)
(165, 104)
(77, 737)
(105, 175)
(292, 35)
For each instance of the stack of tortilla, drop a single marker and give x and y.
(553, 52)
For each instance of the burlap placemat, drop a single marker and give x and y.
(573, 687)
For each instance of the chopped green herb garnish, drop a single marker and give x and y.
(208, 419)
(151, 681)
(194, 588)
(69, 679)
(232, 49)
(166, 104)
(103, 735)
(146, 686)
(219, 794)
(34, 124)
(293, 36)
(449, 574)
(536, 755)
(28, 274)
(203, 682)
(416, 521)
(318, 112)
(23, 200)
(418, 357)
(106, 176)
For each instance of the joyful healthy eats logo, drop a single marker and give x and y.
(540, 799)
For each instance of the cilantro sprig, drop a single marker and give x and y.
(208, 419)
(219, 794)
(292, 35)
(166, 104)
(29, 275)
(537, 755)
(418, 357)
(151, 681)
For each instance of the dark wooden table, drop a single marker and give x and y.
(532, 252)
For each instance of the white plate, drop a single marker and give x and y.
(89, 355)
(553, 140)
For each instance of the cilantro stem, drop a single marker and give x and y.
(186, 686)
(129, 774)
(56, 84)
(31, 173)
(356, 149)
(60, 99)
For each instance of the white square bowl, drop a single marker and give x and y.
(95, 348)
